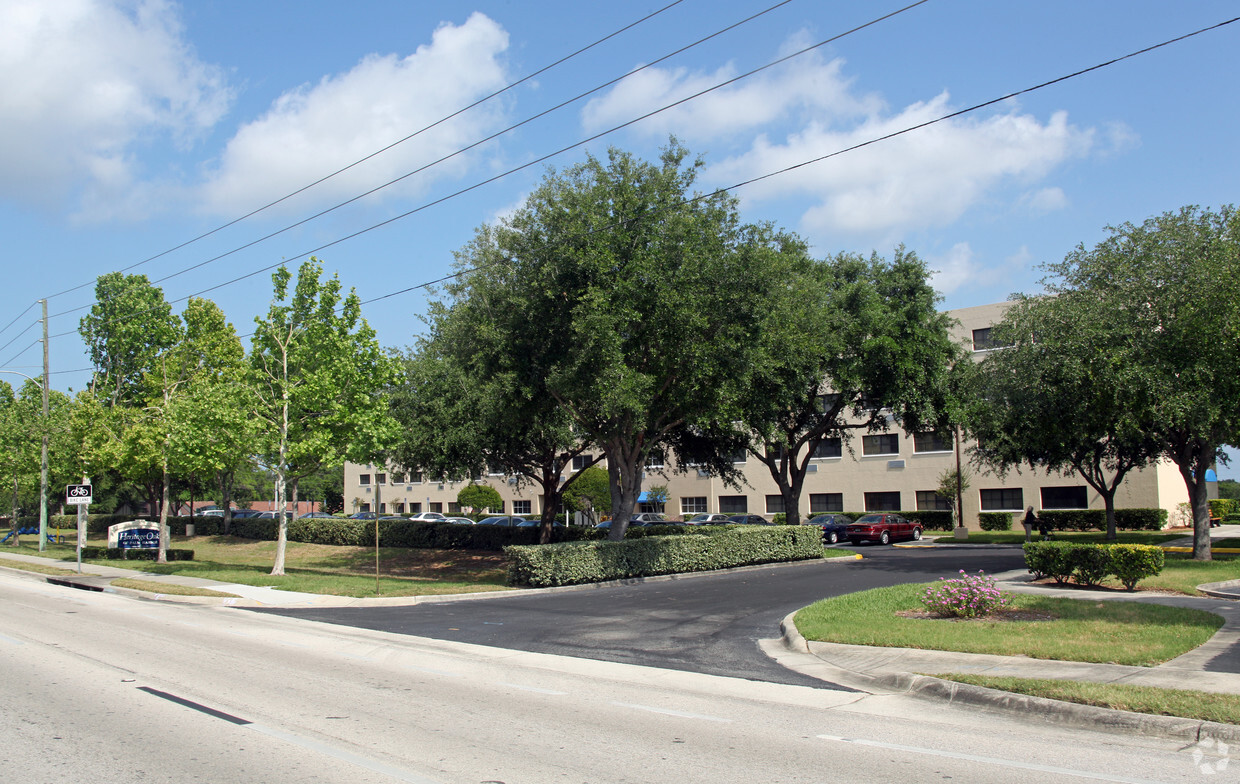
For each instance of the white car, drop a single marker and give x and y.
(428, 517)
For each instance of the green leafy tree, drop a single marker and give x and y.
(629, 301)
(590, 493)
(1049, 401)
(852, 344)
(657, 495)
(479, 497)
(952, 485)
(320, 381)
(1229, 488)
(1157, 309)
(127, 328)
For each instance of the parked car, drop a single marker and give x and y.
(834, 526)
(364, 516)
(709, 519)
(316, 516)
(211, 513)
(651, 518)
(501, 520)
(241, 514)
(536, 523)
(459, 520)
(883, 528)
(748, 519)
(427, 517)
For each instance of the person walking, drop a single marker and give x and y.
(1030, 521)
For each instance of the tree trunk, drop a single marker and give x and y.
(1193, 462)
(625, 477)
(163, 517)
(225, 480)
(17, 540)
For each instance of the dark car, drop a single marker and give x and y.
(501, 520)
(883, 528)
(834, 526)
(316, 516)
(364, 516)
(748, 519)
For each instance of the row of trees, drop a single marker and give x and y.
(620, 315)
(177, 396)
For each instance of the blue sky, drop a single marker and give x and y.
(128, 128)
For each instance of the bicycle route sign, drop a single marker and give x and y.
(78, 495)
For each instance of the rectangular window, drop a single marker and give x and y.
(654, 461)
(522, 507)
(827, 403)
(821, 503)
(693, 505)
(828, 448)
(984, 341)
(416, 478)
(399, 507)
(774, 504)
(454, 508)
(932, 442)
(495, 470)
(882, 502)
(365, 507)
(381, 479)
(776, 451)
(740, 456)
(880, 444)
(382, 508)
(435, 506)
(415, 507)
(1003, 500)
(582, 461)
(733, 504)
(363, 479)
(931, 501)
(1065, 497)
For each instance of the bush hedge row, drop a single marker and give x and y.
(1090, 564)
(98, 524)
(571, 563)
(1096, 519)
(135, 553)
(995, 521)
(404, 533)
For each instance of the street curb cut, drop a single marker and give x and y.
(1068, 714)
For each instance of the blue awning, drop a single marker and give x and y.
(1211, 476)
(641, 499)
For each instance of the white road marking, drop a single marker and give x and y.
(10, 640)
(667, 712)
(343, 756)
(990, 760)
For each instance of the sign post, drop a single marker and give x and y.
(80, 496)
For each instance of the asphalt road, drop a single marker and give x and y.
(708, 623)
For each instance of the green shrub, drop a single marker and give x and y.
(1139, 519)
(995, 521)
(1091, 563)
(405, 533)
(930, 519)
(1131, 563)
(1049, 559)
(1222, 507)
(588, 562)
(135, 553)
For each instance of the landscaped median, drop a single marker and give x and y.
(571, 563)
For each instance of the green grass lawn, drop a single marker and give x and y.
(313, 568)
(1075, 630)
(1199, 705)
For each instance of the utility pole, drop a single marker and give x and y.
(43, 459)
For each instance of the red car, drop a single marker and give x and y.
(882, 528)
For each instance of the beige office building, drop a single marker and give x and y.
(889, 471)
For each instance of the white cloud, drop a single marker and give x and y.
(1046, 200)
(87, 80)
(928, 177)
(314, 130)
(960, 269)
(806, 84)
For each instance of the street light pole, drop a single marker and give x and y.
(43, 459)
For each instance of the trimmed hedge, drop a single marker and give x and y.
(995, 521)
(98, 524)
(135, 553)
(1090, 564)
(405, 533)
(1223, 507)
(572, 563)
(1096, 519)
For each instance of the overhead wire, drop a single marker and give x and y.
(462, 150)
(396, 143)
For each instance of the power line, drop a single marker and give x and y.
(382, 150)
(451, 155)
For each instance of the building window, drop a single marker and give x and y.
(774, 504)
(522, 507)
(435, 506)
(693, 505)
(363, 479)
(416, 478)
(399, 506)
(827, 403)
(654, 461)
(1065, 497)
(931, 442)
(776, 451)
(828, 448)
(582, 461)
(880, 444)
(882, 502)
(398, 479)
(495, 470)
(415, 507)
(983, 341)
(740, 456)
(454, 508)
(931, 501)
(365, 507)
(382, 508)
(733, 504)
(821, 503)
(381, 479)
(1003, 500)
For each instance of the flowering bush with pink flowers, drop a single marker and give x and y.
(964, 597)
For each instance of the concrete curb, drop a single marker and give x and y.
(1067, 714)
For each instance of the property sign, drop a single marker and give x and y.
(78, 495)
(134, 534)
